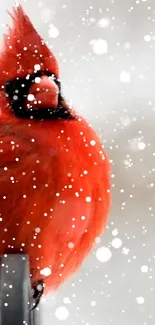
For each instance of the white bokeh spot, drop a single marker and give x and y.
(100, 46)
(125, 77)
(141, 145)
(147, 38)
(62, 313)
(103, 23)
(103, 254)
(46, 271)
(30, 97)
(140, 300)
(116, 243)
(144, 268)
(53, 31)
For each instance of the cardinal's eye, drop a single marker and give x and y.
(18, 92)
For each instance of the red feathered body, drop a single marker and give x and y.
(54, 185)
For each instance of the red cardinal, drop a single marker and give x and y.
(54, 173)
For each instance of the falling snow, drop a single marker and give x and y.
(30, 97)
(62, 313)
(103, 23)
(37, 230)
(70, 245)
(46, 14)
(106, 57)
(37, 67)
(99, 46)
(115, 232)
(116, 243)
(66, 300)
(103, 254)
(141, 145)
(53, 31)
(147, 38)
(125, 77)
(144, 268)
(140, 300)
(92, 142)
(46, 271)
(88, 199)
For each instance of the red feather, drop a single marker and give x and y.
(54, 175)
(23, 48)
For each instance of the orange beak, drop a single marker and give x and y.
(43, 93)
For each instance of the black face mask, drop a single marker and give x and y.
(17, 91)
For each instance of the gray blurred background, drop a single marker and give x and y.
(106, 52)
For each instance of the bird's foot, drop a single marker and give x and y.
(38, 290)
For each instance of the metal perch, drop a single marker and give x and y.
(15, 291)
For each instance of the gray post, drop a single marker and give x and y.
(15, 291)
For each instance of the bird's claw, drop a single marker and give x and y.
(38, 290)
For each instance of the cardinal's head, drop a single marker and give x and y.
(29, 73)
